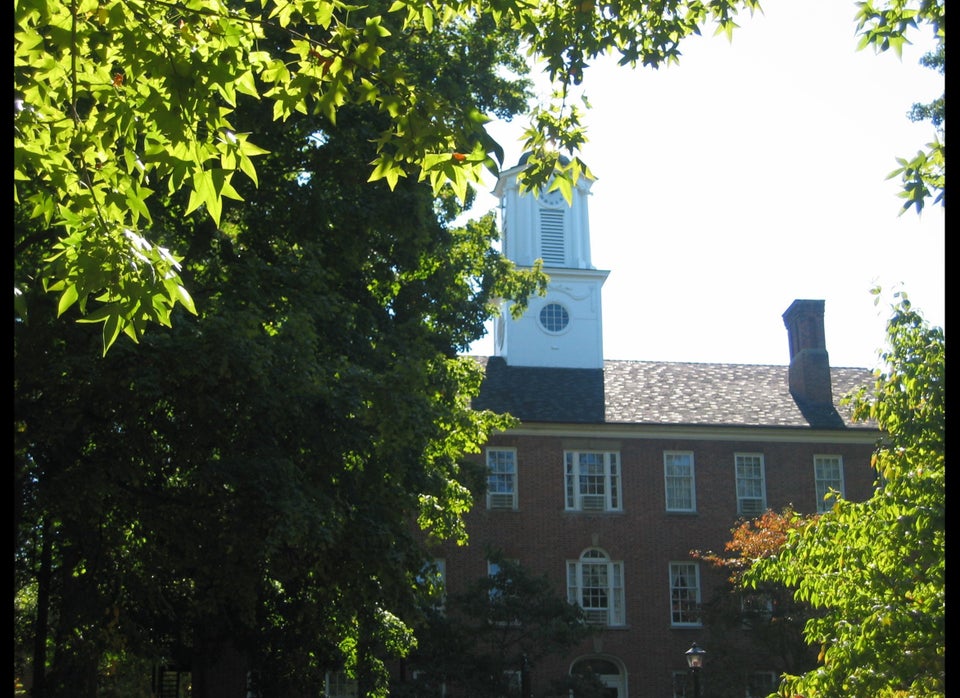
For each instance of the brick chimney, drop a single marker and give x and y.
(809, 363)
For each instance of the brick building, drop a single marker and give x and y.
(620, 468)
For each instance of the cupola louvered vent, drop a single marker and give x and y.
(552, 245)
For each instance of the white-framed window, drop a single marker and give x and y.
(433, 582)
(761, 684)
(683, 684)
(338, 685)
(751, 487)
(432, 685)
(513, 684)
(684, 594)
(501, 478)
(755, 607)
(494, 569)
(554, 318)
(828, 473)
(595, 583)
(592, 480)
(678, 479)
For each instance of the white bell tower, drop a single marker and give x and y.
(564, 328)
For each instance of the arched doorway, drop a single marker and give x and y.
(608, 670)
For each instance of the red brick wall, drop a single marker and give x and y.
(542, 536)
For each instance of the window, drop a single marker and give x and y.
(338, 685)
(554, 318)
(433, 583)
(678, 481)
(682, 684)
(755, 608)
(595, 583)
(684, 593)
(592, 480)
(428, 683)
(497, 583)
(503, 593)
(512, 683)
(761, 684)
(501, 478)
(751, 492)
(828, 471)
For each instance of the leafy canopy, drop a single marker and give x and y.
(118, 100)
(876, 568)
(886, 25)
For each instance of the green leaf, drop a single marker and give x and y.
(67, 299)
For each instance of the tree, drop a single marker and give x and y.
(245, 482)
(875, 569)
(485, 637)
(885, 25)
(759, 629)
(119, 101)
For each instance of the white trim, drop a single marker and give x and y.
(699, 433)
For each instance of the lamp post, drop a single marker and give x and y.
(695, 657)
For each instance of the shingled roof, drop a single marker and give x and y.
(655, 392)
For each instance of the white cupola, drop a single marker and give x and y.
(564, 328)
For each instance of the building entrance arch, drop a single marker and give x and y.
(608, 670)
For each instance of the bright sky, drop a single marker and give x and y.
(751, 174)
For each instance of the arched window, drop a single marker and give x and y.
(595, 583)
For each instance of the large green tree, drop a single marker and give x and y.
(246, 481)
(888, 25)
(875, 569)
(119, 100)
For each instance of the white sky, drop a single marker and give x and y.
(751, 174)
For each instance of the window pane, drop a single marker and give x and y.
(751, 490)
(684, 593)
(828, 471)
(591, 473)
(678, 481)
(501, 478)
(596, 584)
(592, 480)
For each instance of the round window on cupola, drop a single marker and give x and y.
(554, 318)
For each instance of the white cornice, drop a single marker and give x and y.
(695, 432)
